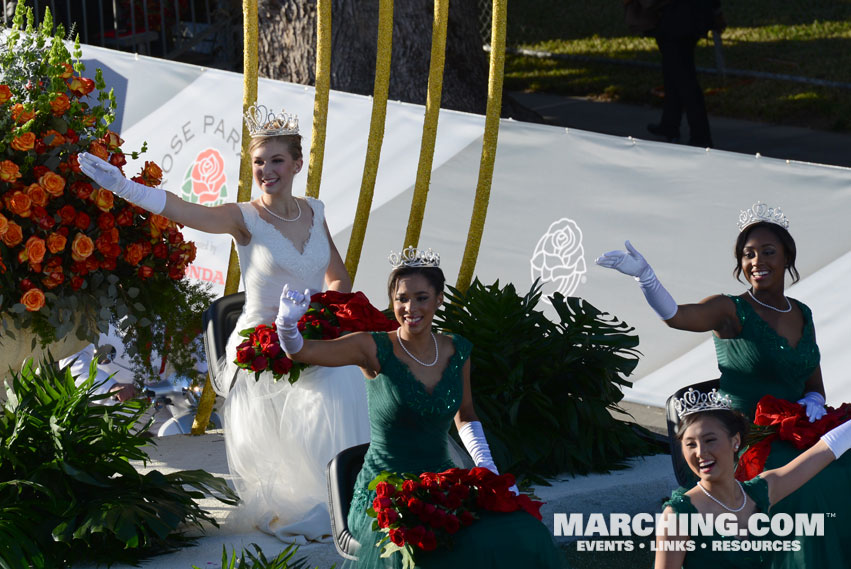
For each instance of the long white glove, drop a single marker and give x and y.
(838, 439)
(473, 437)
(630, 262)
(291, 308)
(813, 401)
(111, 178)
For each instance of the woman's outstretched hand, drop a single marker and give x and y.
(291, 308)
(108, 176)
(629, 262)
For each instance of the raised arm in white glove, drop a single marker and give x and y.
(630, 262)
(838, 439)
(111, 178)
(813, 401)
(291, 308)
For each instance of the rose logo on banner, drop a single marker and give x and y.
(559, 257)
(205, 181)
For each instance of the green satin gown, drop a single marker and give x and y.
(409, 434)
(760, 362)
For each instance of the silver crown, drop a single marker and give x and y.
(693, 401)
(759, 213)
(413, 257)
(262, 121)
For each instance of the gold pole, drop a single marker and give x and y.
(480, 206)
(320, 101)
(376, 134)
(432, 111)
(249, 96)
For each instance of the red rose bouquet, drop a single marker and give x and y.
(73, 256)
(422, 513)
(330, 315)
(777, 418)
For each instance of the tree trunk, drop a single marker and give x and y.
(288, 50)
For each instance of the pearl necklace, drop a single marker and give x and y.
(758, 301)
(413, 357)
(273, 214)
(722, 504)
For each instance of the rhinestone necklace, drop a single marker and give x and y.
(758, 301)
(413, 357)
(722, 504)
(273, 214)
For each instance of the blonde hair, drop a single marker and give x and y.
(291, 141)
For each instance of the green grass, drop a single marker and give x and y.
(811, 40)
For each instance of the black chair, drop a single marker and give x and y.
(685, 477)
(219, 321)
(341, 473)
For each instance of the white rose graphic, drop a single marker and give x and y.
(559, 258)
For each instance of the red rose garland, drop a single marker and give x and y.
(422, 513)
(777, 418)
(331, 314)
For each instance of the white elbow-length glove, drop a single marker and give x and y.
(630, 262)
(291, 308)
(111, 178)
(813, 402)
(838, 439)
(473, 437)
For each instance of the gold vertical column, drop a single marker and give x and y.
(320, 101)
(483, 187)
(249, 96)
(376, 134)
(432, 112)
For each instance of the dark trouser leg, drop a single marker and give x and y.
(692, 96)
(672, 107)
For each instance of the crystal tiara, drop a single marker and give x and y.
(759, 213)
(693, 401)
(413, 257)
(262, 122)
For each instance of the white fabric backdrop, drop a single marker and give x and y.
(587, 191)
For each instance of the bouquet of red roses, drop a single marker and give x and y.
(422, 512)
(330, 315)
(777, 418)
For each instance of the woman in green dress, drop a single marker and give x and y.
(711, 434)
(417, 383)
(765, 345)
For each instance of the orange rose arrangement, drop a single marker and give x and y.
(73, 256)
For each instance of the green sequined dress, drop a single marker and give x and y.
(716, 551)
(409, 433)
(760, 362)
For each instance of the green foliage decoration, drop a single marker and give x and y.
(543, 389)
(68, 491)
(257, 560)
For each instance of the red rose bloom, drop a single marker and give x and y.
(397, 536)
(282, 366)
(245, 355)
(385, 489)
(259, 364)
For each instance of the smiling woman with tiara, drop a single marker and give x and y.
(766, 345)
(279, 437)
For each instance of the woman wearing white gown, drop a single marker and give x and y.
(279, 437)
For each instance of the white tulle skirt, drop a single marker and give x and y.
(279, 439)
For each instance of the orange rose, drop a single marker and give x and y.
(20, 204)
(33, 299)
(99, 150)
(37, 194)
(103, 199)
(23, 142)
(134, 254)
(111, 140)
(53, 183)
(60, 104)
(20, 114)
(13, 235)
(53, 138)
(56, 242)
(5, 93)
(82, 247)
(152, 173)
(4, 224)
(35, 250)
(69, 70)
(88, 120)
(80, 85)
(9, 171)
